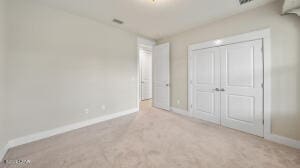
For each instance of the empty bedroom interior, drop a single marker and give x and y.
(223, 84)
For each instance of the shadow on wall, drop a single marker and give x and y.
(286, 80)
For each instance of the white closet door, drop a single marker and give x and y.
(146, 74)
(206, 81)
(241, 86)
(161, 76)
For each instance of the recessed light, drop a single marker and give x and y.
(218, 42)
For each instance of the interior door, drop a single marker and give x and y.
(146, 73)
(161, 76)
(242, 86)
(206, 82)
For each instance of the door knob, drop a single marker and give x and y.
(222, 90)
(167, 85)
(217, 89)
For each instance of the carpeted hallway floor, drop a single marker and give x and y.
(155, 139)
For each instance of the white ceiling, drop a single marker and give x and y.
(154, 20)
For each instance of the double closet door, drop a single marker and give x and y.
(227, 85)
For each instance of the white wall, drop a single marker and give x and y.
(285, 34)
(3, 137)
(59, 64)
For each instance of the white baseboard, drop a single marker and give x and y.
(3, 151)
(60, 130)
(271, 137)
(283, 140)
(67, 128)
(180, 111)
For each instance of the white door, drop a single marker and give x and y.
(242, 86)
(161, 76)
(227, 85)
(146, 73)
(206, 82)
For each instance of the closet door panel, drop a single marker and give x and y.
(241, 86)
(206, 78)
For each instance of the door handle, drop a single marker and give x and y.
(217, 89)
(222, 90)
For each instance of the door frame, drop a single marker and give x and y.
(265, 35)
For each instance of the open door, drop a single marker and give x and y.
(161, 76)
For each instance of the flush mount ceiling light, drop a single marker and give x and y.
(218, 42)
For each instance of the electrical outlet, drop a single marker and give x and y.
(103, 107)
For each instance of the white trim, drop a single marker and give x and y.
(259, 34)
(67, 128)
(138, 96)
(265, 35)
(283, 140)
(271, 137)
(3, 152)
(267, 83)
(180, 111)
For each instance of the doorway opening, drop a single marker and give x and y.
(145, 55)
(154, 73)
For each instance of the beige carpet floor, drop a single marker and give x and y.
(155, 139)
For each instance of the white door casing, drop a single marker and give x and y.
(206, 81)
(146, 73)
(242, 86)
(161, 76)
